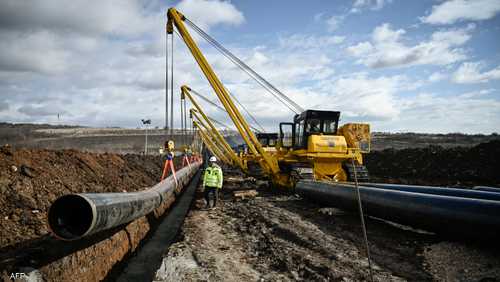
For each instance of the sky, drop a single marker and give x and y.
(428, 66)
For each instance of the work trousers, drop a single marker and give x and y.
(214, 191)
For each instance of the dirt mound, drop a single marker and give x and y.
(435, 165)
(30, 180)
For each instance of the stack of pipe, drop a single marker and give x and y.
(455, 211)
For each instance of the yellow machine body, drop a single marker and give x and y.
(325, 151)
(357, 135)
(326, 144)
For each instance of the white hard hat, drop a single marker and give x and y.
(213, 159)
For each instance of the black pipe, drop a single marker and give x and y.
(444, 191)
(75, 216)
(487, 189)
(442, 214)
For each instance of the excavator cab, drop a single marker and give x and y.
(267, 139)
(311, 122)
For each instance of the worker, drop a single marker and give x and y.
(212, 181)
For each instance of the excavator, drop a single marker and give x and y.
(312, 146)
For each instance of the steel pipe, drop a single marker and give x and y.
(459, 216)
(75, 216)
(444, 191)
(487, 189)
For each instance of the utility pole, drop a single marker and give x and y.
(146, 122)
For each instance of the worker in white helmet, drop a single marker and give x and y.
(212, 181)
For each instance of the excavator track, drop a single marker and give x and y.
(361, 172)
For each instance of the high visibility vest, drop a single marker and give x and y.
(213, 177)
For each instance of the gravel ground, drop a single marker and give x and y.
(280, 237)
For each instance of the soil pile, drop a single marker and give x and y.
(30, 180)
(435, 165)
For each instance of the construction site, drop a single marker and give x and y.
(317, 197)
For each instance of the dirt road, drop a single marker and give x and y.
(280, 237)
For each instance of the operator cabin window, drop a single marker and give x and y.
(263, 141)
(330, 126)
(313, 126)
(286, 135)
(272, 142)
(299, 135)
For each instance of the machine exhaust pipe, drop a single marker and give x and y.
(74, 216)
(457, 216)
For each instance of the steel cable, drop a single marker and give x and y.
(294, 107)
(362, 216)
(222, 109)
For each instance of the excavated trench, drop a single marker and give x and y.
(273, 236)
(32, 179)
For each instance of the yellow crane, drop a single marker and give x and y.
(312, 145)
(210, 144)
(205, 121)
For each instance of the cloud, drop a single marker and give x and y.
(334, 22)
(387, 49)
(375, 5)
(437, 76)
(41, 111)
(4, 106)
(103, 75)
(357, 94)
(41, 51)
(208, 13)
(469, 72)
(310, 41)
(360, 49)
(469, 112)
(120, 17)
(453, 11)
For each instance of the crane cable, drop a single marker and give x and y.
(289, 103)
(172, 85)
(232, 96)
(222, 109)
(362, 216)
(166, 81)
(248, 112)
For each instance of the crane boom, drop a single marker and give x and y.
(185, 92)
(210, 144)
(268, 162)
(218, 140)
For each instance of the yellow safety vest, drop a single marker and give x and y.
(213, 177)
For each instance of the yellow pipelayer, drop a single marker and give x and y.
(313, 141)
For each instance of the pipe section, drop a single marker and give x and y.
(487, 189)
(459, 216)
(74, 216)
(444, 191)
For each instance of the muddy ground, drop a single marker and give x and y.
(30, 180)
(281, 237)
(276, 236)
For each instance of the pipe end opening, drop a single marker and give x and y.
(70, 217)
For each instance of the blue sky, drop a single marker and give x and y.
(424, 66)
